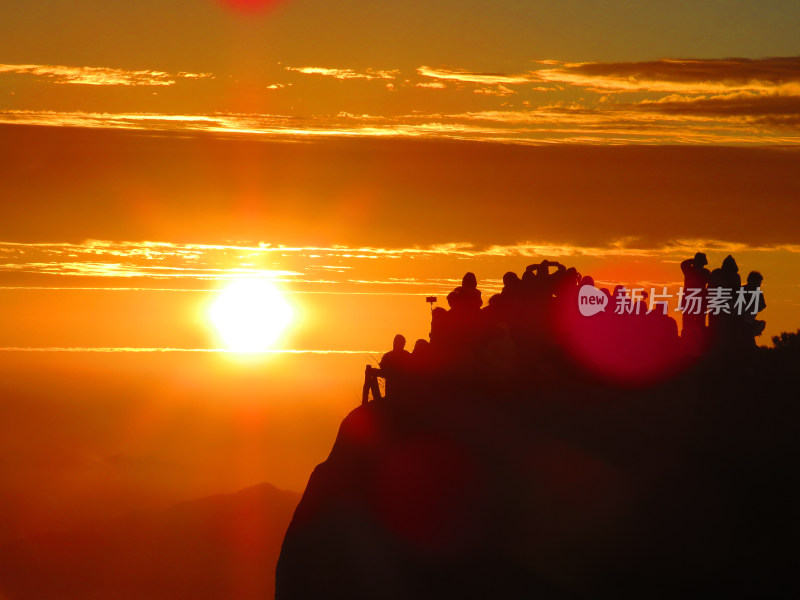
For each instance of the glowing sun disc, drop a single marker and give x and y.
(250, 315)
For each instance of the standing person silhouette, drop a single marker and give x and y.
(693, 304)
(722, 287)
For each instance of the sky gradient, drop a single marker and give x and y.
(521, 72)
(361, 156)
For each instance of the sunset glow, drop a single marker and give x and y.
(215, 215)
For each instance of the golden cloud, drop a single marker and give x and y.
(689, 76)
(499, 90)
(715, 121)
(470, 77)
(344, 73)
(100, 75)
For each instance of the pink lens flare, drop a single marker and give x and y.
(251, 7)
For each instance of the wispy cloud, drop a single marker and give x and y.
(203, 269)
(272, 126)
(214, 261)
(345, 73)
(108, 269)
(699, 76)
(363, 271)
(100, 75)
(556, 123)
(733, 101)
(685, 120)
(149, 260)
(471, 77)
(692, 101)
(500, 90)
(769, 110)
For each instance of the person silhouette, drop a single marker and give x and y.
(510, 283)
(641, 306)
(693, 302)
(370, 385)
(505, 306)
(620, 300)
(421, 364)
(467, 297)
(748, 304)
(567, 285)
(722, 287)
(538, 280)
(394, 367)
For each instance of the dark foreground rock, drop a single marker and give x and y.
(558, 487)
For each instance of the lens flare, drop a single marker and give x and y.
(250, 6)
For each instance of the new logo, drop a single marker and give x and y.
(591, 300)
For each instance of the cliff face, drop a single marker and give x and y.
(567, 490)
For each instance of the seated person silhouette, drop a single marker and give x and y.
(370, 385)
(748, 307)
(505, 306)
(466, 297)
(422, 363)
(395, 366)
(510, 283)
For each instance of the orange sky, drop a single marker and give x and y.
(551, 71)
(120, 239)
(361, 156)
(384, 222)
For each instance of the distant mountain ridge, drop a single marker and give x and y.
(221, 546)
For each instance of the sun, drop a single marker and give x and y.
(250, 315)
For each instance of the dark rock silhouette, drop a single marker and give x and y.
(217, 547)
(528, 463)
(570, 489)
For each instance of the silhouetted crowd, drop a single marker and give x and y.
(537, 320)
